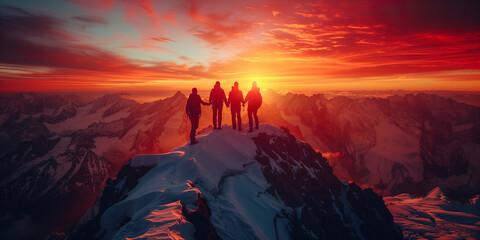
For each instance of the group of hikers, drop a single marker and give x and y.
(217, 97)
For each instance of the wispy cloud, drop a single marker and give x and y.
(91, 19)
(295, 44)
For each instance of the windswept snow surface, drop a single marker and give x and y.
(435, 216)
(223, 169)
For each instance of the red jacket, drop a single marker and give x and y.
(235, 98)
(254, 99)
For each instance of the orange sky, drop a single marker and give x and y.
(301, 46)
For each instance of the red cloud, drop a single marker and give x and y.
(217, 27)
(68, 64)
(328, 40)
(161, 39)
(378, 38)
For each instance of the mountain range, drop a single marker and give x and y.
(399, 144)
(58, 151)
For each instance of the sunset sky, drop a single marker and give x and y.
(302, 46)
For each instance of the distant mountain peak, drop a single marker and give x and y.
(179, 94)
(435, 193)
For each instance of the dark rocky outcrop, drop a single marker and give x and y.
(330, 209)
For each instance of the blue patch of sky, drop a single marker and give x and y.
(118, 33)
(54, 8)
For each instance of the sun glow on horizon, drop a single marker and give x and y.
(299, 46)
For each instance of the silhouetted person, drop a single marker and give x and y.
(254, 99)
(194, 111)
(217, 97)
(235, 99)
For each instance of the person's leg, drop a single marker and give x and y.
(193, 131)
(220, 117)
(234, 123)
(250, 120)
(192, 134)
(214, 117)
(256, 118)
(239, 117)
(195, 122)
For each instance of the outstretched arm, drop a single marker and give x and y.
(210, 97)
(225, 98)
(204, 103)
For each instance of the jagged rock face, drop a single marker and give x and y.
(302, 178)
(57, 151)
(232, 185)
(115, 190)
(52, 190)
(396, 144)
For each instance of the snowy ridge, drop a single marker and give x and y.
(221, 168)
(231, 175)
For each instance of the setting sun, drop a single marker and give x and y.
(306, 46)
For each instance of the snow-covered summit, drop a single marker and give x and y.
(235, 185)
(216, 153)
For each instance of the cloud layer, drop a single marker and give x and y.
(118, 45)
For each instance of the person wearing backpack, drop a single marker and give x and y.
(235, 99)
(254, 100)
(194, 110)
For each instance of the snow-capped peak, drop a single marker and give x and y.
(436, 193)
(217, 152)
